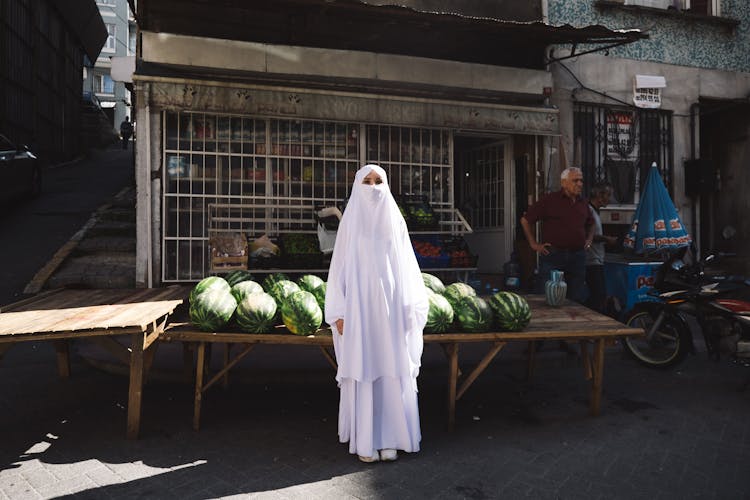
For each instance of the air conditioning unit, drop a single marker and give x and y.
(654, 4)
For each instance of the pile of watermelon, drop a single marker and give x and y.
(237, 301)
(457, 306)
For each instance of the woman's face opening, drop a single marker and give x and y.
(373, 178)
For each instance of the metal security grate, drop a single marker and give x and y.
(236, 174)
(619, 144)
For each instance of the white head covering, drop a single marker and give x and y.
(376, 286)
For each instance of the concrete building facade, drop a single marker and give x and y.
(697, 58)
(113, 96)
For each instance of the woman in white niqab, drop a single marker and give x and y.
(376, 304)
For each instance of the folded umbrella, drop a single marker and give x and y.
(656, 223)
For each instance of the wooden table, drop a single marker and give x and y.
(97, 315)
(571, 322)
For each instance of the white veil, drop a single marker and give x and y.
(376, 286)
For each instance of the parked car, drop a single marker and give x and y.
(20, 173)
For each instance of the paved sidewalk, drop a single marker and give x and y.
(662, 434)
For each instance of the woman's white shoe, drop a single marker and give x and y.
(388, 455)
(369, 460)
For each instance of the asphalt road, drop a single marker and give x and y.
(33, 230)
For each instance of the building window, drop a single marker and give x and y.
(104, 84)
(619, 144)
(106, 2)
(109, 45)
(703, 7)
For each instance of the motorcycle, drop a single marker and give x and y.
(717, 303)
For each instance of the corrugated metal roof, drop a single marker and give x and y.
(375, 27)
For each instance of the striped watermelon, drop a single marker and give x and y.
(309, 282)
(244, 288)
(273, 278)
(256, 313)
(456, 291)
(512, 312)
(212, 309)
(440, 314)
(210, 283)
(301, 314)
(433, 283)
(282, 289)
(236, 276)
(320, 296)
(474, 314)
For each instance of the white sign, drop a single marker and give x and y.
(647, 91)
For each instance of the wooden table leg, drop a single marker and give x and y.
(452, 352)
(596, 383)
(135, 391)
(585, 359)
(200, 365)
(530, 359)
(62, 350)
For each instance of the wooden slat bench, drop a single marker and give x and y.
(97, 315)
(571, 322)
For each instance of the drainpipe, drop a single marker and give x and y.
(694, 112)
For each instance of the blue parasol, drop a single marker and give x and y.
(656, 224)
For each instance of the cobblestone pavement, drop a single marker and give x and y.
(683, 433)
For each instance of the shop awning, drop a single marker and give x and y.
(362, 25)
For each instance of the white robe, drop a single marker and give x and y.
(375, 285)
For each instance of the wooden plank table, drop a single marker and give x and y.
(97, 315)
(571, 322)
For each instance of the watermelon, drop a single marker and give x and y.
(301, 314)
(309, 282)
(211, 309)
(236, 276)
(440, 314)
(474, 314)
(320, 295)
(456, 291)
(210, 283)
(244, 288)
(433, 283)
(256, 313)
(512, 312)
(282, 289)
(271, 279)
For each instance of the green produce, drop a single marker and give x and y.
(256, 313)
(244, 288)
(211, 309)
(210, 283)
(301, 314)
(282, 289)
(440, 314)
(271, 279)
(237, 276)
(309, 282)
(320, 295)
(474, 314)
(512, 312)
(456, 291)
(433, 283)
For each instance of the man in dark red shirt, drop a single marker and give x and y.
(567, 232)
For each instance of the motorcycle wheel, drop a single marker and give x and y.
(666, 348)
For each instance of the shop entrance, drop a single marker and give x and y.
(483, 191)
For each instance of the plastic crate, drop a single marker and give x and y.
(418, 213)
(464, 260)
(442, 261)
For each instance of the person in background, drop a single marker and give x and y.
(376, 304)
(567, 232)
(126, 131)
(599, 197)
